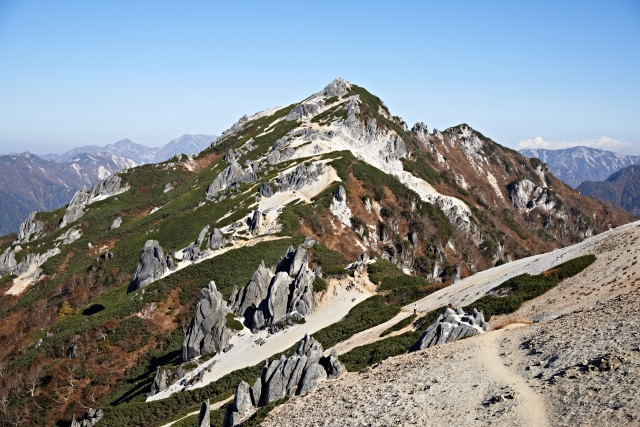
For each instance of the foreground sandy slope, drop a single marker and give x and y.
(578, 365)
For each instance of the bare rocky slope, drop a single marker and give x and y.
(162, 287)
(577, 365)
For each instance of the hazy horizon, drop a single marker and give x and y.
(539, 75)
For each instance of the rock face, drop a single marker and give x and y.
(109, 186)
(231, 177)
(450, 326)
(30, 228)
(153, 265)
(193, 251)
(285, 376)
(216, 239)
(300, 176)
(8, 259)
(70, 235)
(29, 263)
(204, 418)
(162, 380)
(265, 190)
(89, 419)
(208, 331)
(339, 206)
(526, 196)
(273, 294)
(75, 209)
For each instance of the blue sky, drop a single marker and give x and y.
(543, 74)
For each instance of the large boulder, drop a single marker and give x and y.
(216, 239)
(208, 331)
(450, 326)
(297, 374)
(153, 265)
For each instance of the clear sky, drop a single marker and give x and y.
(542, 74)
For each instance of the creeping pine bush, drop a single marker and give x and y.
(525, 287)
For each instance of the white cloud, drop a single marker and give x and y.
(602, 143)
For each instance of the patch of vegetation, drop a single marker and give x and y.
(233, 323)
(510, 295)
(319, 285)
(373, 353)
(421, 169)
(452, 183)
(331, 262)
(400, 325)
(508, 220)
(363, 316)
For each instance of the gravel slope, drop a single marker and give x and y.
(579, 365)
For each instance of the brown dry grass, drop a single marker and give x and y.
(511, 321)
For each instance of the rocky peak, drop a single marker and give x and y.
(208, 332)
(153, 265)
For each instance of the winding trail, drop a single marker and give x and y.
(529, 404)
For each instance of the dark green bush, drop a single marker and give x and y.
(525, 287)
(233, 323)
(319, 284)
(400, 325)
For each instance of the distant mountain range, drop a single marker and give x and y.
(577, 164)
(29, 182)
(621, 189)
(141, 154)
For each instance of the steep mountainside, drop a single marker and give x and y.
(29, 183)
(169, 284)
(621, 189)
(186, 144)
(575, 165)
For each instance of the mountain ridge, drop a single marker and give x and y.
(578, 164)
(347, 205)
(621, 189)
(141, 154)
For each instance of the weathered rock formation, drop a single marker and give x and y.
(193, 251)
(216, 239)
(231, 177)
(273, 294)
(89, 419)
(8, 259)
(265, 190)
(450, 326)
(107, 187)
(526, 196)
(285, 376)
(30, 229)
(70, 235)
(208, 332)
(153, 265)
(300, 176)
(204, 418)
